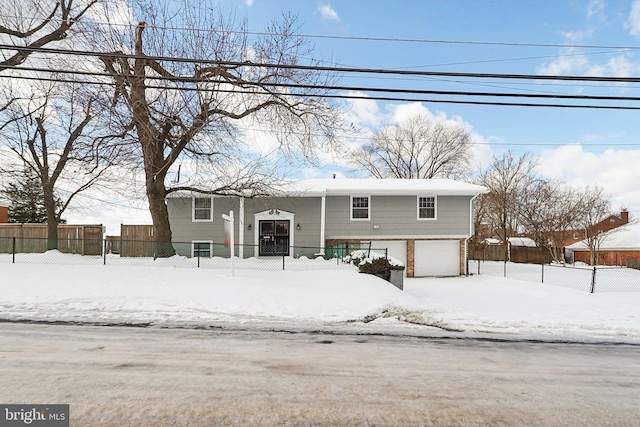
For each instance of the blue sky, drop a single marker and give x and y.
(583, 146)
(527, 22)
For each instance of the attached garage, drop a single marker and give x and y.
(395, 248)
(437, 258)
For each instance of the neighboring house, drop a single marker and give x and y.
(424, 223)
(609, 223)
(620, 246)
(4, 213)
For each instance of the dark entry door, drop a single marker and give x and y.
(274, 237)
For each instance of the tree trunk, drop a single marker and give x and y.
(52, 219)
(156, 194)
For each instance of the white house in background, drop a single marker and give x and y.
(424, 223)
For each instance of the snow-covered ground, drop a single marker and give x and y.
(607, 278)
(54, 287)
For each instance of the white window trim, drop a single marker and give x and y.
(368, 218)
(193, 209)
(435, 208)
(193, 247)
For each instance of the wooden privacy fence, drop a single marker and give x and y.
(32, 238)
(135, 241)
(521, 254)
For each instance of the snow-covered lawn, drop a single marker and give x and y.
(607, 279)
(68, 291)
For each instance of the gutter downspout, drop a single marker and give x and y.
(241, 229)
(471, 229)
(323, 219)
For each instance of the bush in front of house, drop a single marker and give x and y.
(374, 263)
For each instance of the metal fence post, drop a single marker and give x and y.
(198, 257)
(593, 279)
(283, 261)
(542, 272)
(13, 251)
(104, 252)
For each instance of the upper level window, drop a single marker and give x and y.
(360, 207)
(202, 209)
(427, 207)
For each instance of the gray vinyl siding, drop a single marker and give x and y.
(306, 211)
(397, 215)
(394, 215)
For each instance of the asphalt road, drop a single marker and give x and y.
(118, 376)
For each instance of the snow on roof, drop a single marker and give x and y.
(522, 241)
(372, 186)
(623, 237)
(376, 187)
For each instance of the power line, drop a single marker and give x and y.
(351, 96)
(344, 88)
(362, 38)
(325, 68)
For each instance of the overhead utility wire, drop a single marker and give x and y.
(365, 38)
(179, 79)
(326, 68)
(351, 96)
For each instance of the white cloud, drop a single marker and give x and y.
(363, 112)
(596, 9)
(633, 23)
(572, 64)
(327, 12)
(610, 170)
(577, 36)
(577, 64)
(249, 2)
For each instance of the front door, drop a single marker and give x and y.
(274, 237)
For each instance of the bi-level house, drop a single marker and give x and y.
(423, 222)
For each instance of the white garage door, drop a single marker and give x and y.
(437, 258)
(395, 248)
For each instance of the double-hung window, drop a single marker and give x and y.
(202, 209)
(360, 208)
(426, 207)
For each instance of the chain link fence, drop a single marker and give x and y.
(200, 254)
(582, 277)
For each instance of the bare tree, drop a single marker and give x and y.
(57, 132)
(549, 213)
(418, 148)
(596, 207)
(508, 178)
(181, 110)
(32, 24)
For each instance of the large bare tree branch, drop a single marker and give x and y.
(62, 17)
